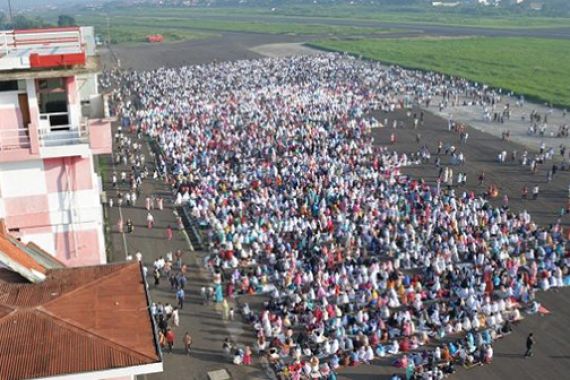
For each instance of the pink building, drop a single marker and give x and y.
(52, 124)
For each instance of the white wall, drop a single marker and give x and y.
(87, 85)
(9, 98)
(24, 178)
(45, 240)
(84, 203)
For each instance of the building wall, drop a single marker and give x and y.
(10, 118)
(74, 101)
(56, 204)
(87, 86)
(49, 192)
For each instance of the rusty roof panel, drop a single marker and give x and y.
(79, 320)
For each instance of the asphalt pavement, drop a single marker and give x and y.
(203, 322)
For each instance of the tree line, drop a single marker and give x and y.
(24, 22)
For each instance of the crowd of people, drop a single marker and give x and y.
(275, 160)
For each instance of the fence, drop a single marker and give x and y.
(14, 138)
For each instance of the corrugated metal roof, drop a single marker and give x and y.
(14, 257)
(78, 320)
(42, 257)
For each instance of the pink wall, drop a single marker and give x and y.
(14, 145)
(100, 136)
(11, 118)
(78, 248)
(80, 174)
(12, 134)
(28, 211)
(12, 155)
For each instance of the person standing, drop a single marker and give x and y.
(481, 178)
(161, 340)
(187, 340)
(170, 339)
(524, 192)
(180, 295)
(149, 220)
(130, 226)
(535, 191)
(156, 275)
(225, 310)
(175, 317)
(529, 344)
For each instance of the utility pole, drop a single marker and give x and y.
(108, 30)
(10, 10)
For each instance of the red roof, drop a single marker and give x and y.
(78, 320)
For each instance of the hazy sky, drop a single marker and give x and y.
(18, 5)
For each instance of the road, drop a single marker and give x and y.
(552, 331)
(204, 322)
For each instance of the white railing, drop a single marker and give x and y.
(64, 135)
(3, 44)
(47, 122)
(14, 139)
(40, 40)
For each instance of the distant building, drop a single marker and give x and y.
(52, 124)
(445, 4)
(536, 6)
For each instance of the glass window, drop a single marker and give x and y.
(9, 85)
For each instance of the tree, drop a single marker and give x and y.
(66, 20)
(22, 22)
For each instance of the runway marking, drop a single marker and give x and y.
(125, 247)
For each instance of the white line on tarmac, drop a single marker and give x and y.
(125, 247)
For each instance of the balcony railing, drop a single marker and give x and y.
(64, 135)
(47, 47)
(14, 139)
(95, 133)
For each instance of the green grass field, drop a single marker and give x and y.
(537, 68)
(489, 18)
(134, 34)
(132, 24)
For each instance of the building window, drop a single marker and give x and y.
(52, 101)
(13, 85)
(9, 85)
(51, 84)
